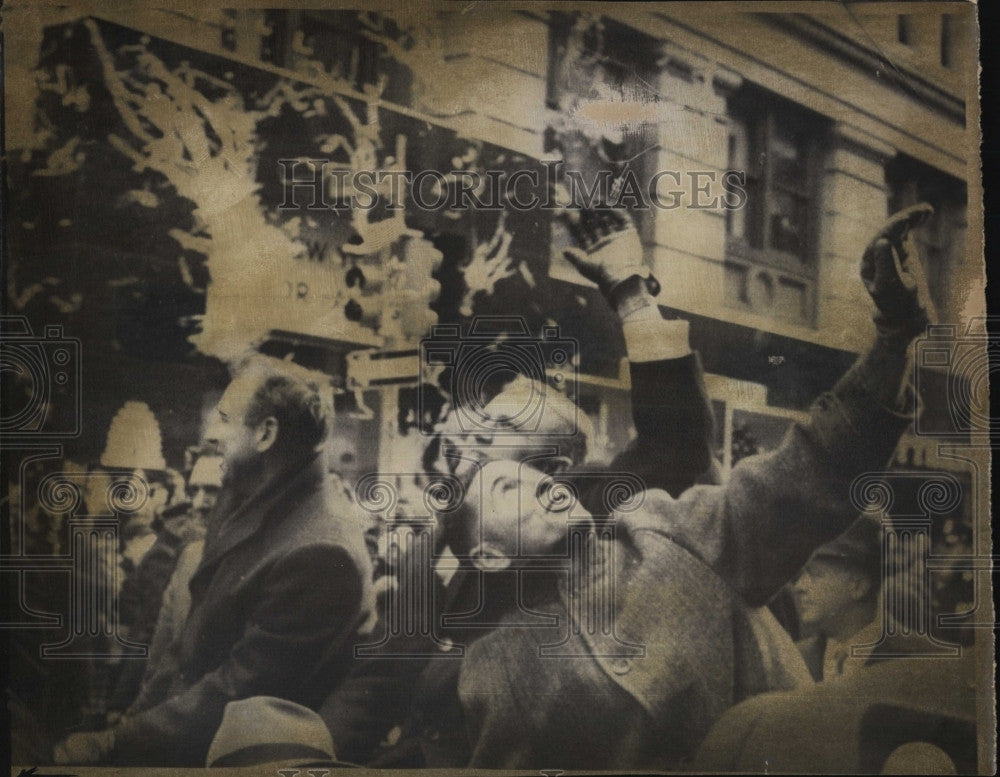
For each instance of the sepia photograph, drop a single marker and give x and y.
(494, 387)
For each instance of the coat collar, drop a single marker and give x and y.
(246, 519)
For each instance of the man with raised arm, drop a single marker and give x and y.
(672, 450)
(683, 578)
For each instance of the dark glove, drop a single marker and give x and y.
(608, 249)
(893, 275)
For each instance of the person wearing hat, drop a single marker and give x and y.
(134, 443)
(269, 730)
(283, 589)
(687, 578)
(837, 598)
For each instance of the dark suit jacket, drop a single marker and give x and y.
(282, 591)
(140, 600)
(674, 425)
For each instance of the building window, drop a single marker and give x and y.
(904, 29)
(347, 46)
(949, 40)
(770, 248)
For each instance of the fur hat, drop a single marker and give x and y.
(134, 440)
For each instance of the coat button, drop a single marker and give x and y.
(620, 665)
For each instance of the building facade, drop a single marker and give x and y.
(836, 118)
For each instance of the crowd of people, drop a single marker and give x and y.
(264, 593)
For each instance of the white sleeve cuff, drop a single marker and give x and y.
(655, 339)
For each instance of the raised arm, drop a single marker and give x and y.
(760, 528)
(670, 407)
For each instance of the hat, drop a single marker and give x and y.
(266, 729)
(859, 547)
(531, 408)
(134, 440)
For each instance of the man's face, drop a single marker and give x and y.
(141, 520)
(825, 590)
(517, 510)
(204, 484)
(159, 495)
(203, 497)
(236, 442)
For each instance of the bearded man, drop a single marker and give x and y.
(283, 589)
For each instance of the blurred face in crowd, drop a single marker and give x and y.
(204, 485)
(826, 590)
(158, 496)
(97, 490)
(516, 510)
(96, 487)
(203, 498)
(240, 445)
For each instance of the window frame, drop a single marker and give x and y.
(760, 112)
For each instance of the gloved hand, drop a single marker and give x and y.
(608, 251)
(89, 747)
(893, 276)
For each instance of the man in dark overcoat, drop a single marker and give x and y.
(283, 590)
